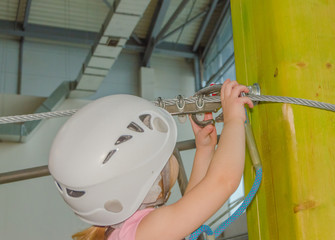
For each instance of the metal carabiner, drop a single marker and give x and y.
(202, 123)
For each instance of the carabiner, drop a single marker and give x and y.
(202, 123)
(213, 89)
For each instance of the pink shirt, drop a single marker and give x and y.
(128, 230)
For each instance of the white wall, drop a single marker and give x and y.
(47, 65)
(9, 54)
(33, 209)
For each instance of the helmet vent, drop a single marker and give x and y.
(113, 206)
(160, 125)
(145, 118)
(123, 139)
(74, 194)
(134, 127)
(109, 155)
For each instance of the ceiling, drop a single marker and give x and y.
(183, 28)
(89, 15)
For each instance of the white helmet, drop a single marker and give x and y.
(107, 156)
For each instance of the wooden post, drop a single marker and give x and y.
(288, 47)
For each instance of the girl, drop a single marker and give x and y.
(113, 170)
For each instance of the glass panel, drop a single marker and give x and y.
(219, 52)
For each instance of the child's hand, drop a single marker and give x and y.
(232, 102)
(204, 137)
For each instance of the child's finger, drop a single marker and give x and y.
(225, 83)
(236, 91)
(224, 86)
(195, 127)
(193, 124)
(229, 87)
(246, 100)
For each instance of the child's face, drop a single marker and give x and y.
(174, 170)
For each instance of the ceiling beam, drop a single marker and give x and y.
(47, 33)
(199, 15)
(18, 11)
(156, 24)
(165, 48)
(86, 38)
(173, 49)
(137, 39)
(26, 14)
(23, 27)
(174, 16)
(204, 25)
(107, 3)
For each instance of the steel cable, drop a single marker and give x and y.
(169, 102)
(36, 116)
(297, 101)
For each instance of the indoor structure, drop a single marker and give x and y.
(62, 54)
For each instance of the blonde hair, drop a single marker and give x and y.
(91, 233)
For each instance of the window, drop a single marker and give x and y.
(219, 63)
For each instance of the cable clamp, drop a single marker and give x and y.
(200, 103)
(160, 102)
(180, 103)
